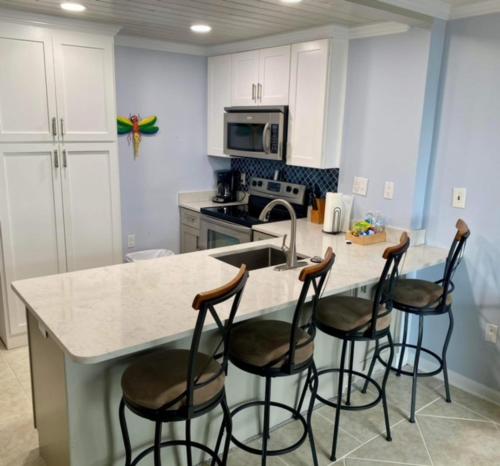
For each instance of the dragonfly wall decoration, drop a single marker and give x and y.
(135, 127)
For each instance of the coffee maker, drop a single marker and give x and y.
(228, 182)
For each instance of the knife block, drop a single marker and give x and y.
(318, 215)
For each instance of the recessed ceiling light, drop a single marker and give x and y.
(201, 28)
(73, 7)
(291, 1)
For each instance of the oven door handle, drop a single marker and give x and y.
(265, 145)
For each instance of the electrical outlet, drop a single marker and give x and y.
(243, 179)
(459, 195)
(131, 241)
(389, 190)
(360, 186)
(491, 332)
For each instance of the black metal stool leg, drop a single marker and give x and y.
(157, 445)
(415, 367)
(384, 383)
(445, 349)
(314, 390)
(304, 391)
(229, 429)
(223, 427)
(372, 365)
(403, 345)
(339, 402)
(349, 384)
(267, 409)
(126, 438)
(188, 443)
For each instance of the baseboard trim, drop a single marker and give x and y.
(464, 383)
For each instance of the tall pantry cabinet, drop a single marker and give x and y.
(59, 183)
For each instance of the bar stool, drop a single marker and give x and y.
(180, 385)
(273, 348)
(424, 298)
(353, 319)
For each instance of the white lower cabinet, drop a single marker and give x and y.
(189, 230)
(59, 211)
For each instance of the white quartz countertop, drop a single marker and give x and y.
(101, 314)
(198, 205)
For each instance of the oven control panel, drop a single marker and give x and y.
(291, 192)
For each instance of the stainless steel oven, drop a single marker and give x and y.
(258, 132)
(215, 233)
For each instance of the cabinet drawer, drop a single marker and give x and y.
(190, 218)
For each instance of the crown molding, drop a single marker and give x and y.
(435, 8)
(378, 29)
(476, 9)
(40, 20)
(323, 32)
(160, 45)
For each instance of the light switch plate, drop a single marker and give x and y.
(131, 241)
(360, 186)
(491, 333)
(389, 190)
(459, 197)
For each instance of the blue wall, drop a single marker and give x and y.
(173, 87)
(466, 154)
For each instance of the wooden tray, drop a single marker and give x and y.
(366, 240)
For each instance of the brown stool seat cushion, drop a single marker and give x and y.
(346, 313)
(159, 378)
(418, 293)
(262, 343)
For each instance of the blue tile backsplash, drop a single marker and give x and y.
(326, 180)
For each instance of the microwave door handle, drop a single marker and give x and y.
(267, 127)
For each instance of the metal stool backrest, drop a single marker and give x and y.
(316, 276)
(453, 260)
(393, 256)
(205, 303)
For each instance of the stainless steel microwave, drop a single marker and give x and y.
(258, 132)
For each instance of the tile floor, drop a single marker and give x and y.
(463, 433)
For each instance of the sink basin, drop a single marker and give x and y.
(256, 258)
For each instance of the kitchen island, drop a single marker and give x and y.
(85, 327)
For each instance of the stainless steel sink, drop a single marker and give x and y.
(258, 258)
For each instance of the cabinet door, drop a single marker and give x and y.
(274, 76)
(219, 96)
(245, 77)
(190, 238)
(85, 86)
(309, 73)
(27, 92)
(91, 200)
(31, 219)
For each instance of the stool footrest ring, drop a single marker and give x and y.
(175, 443)
(282, 451)
(333, 404)
(404, 372)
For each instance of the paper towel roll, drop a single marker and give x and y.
(334, 213)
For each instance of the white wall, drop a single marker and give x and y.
(173, 87)
(384, 107)
(467, 155)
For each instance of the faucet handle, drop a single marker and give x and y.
(283, 245)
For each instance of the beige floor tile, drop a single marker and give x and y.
(460, 443)
(454, 410)
(478, 405)
(366, 424)
(407, 447)
(19, 443)
(354, 462)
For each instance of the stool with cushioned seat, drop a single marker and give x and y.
(180, 385)
(272, 348)
(424, 298)
(354, 319)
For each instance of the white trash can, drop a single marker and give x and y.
(147, 255)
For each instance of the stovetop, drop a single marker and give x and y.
(261, 192)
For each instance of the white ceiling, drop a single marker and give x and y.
(232, 20)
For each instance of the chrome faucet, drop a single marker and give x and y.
(291, 252)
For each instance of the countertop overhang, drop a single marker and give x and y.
(100, 314)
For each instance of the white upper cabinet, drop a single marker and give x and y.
(91, 200)
(274, 76)
(317, 97)
(27, 100)
(219, 96)
(245, 77)
(85, 86)
(261, 77)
